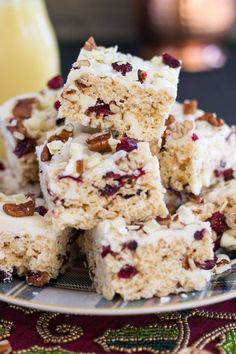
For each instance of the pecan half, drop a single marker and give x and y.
(24, 107)
(170, 120)
(90, 44)
(16, 125)
(5, 347)
(38, 279)
(80, 166)
(99, 143)
(212, 119)
(19, 210)
(190, 107)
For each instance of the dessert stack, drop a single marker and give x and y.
(143, 176)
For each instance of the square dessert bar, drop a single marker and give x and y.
(106, 89)
(25, 119)
(92, 177)
(218, 205)
(149, 259)
(198, 149)
(29, 246)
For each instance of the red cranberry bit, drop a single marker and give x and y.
(41, 210)
(122, 68)
(101, 108)
(105, 251)
(2, 166)
(218, 223)
(198, 235)
(25, 147)
(142, 75)
(126, 144)
(109, 190)
(131, 245)
(170, 61)
(55, 83)
(217, 173)
(57, 105)
(127, 272)
(228, 174)
(76, 179)
(194, 137)
(207, 265)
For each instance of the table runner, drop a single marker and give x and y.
(30, 331)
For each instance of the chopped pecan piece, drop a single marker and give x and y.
(16, 125)
(99, 143)
(20, 210)
(170, 120)
(63, 136)
(80, 166)
(24, 107)
(189, 107)
(45, 154)
(5, 347)
(142, 75)
(38, 279)
(212, 119)
(90, 44)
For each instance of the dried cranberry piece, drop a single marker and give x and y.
(218, 223)
(25, 147)
(41, 210)
(207, 265)
(101, 108)
(217, 173)
(122, 68)
(113, 175)
(2, 166)
(127, 272)
(56, 82)
(76, 179)
(170, 61)
(142, 75)
(105, 251)
(131, 245)
(198, 235)
(57, 105)
(194, 137)
(126, 144)
(109, 190)
(228, 174)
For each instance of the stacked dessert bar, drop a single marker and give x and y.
(117, 160)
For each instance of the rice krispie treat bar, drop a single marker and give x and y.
(149, 259)
(92, 177)
(25, 119)
(198, 149)
(106, 89)
(29, 246)
(219, 207)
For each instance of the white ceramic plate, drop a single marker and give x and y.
(73, 293)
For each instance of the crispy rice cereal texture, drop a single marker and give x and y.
(144, 260)
(197, 149)
(110, 90)
(89, 178)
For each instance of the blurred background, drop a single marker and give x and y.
(200, 32)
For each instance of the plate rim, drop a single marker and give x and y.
(118, 311)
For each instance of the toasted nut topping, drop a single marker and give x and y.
(190, 107)
(113, 107)
(16, 125)
(99, 143)
(142, 75)
(170, 120)
(81, 63)
(67, 92)
(63, 136)
(45, 154)
(38, 279)
(196, 199)
(5, 347)
(20, 210)
(80, 166)
(212, 119)
(182, 128)
(24, 107)
(185, 263)
(90, 44)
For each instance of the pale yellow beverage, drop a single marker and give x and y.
(28, 47)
